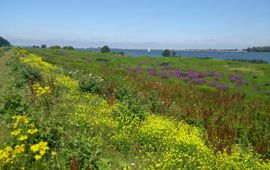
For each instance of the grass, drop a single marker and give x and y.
(4, 83)
(235, 115)
(257, 74)
(104, 111)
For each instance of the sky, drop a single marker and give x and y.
(173, 24)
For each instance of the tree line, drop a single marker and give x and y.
(54, 47)
(258, 49)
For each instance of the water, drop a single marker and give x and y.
(199, 54)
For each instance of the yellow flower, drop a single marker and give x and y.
(39, 91)
(16, 132)
(32, 125)
(23, 137)
(19, 148)
(6, 155)
(42, 151)
(42, 147)
(34, 148)
(32, 131)
(37, 157)
(53, 153)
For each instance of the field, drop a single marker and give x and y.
(76, 109)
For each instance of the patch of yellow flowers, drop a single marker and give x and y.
(39, 149)
(35, 61)
(39, 90)
(23, 130)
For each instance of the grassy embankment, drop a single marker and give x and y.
(228, 99)
(88, 110)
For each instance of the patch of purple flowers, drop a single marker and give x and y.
(191, 76)
(194, 74)
(218, 85)
(238, 79)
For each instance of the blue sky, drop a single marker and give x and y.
(176, 24)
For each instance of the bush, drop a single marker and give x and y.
(120, 53)
(68, 48)
(55, 47)
(13, 103)
(105, 49)
(166, 53)
(90, 83)
(30, 74)
(134, 103)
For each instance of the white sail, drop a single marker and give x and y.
(149, 50)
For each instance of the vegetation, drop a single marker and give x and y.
(67, 111)
(166, 53)
(43, 46)
(251, 61)
(105, 49)
(55, 47)
(122, 53)
(4, 42)
(68, 48)
(258, 49)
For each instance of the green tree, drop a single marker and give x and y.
(68, 48)
(173, 53)
(166, 53)
(105, 49)
(43, 46)
(55, 47)
(4, 42)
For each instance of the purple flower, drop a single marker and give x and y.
(218, 85)
(193, 74)
(152, 71)
(235, 78)
(163, 74)
(238, 79)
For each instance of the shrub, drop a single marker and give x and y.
(105, 49)
(13, 103)
(55, 47)
(30, 74)
(90, 83)
(166, 53)
(68, 48)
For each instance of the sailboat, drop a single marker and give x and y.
(149, 50)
